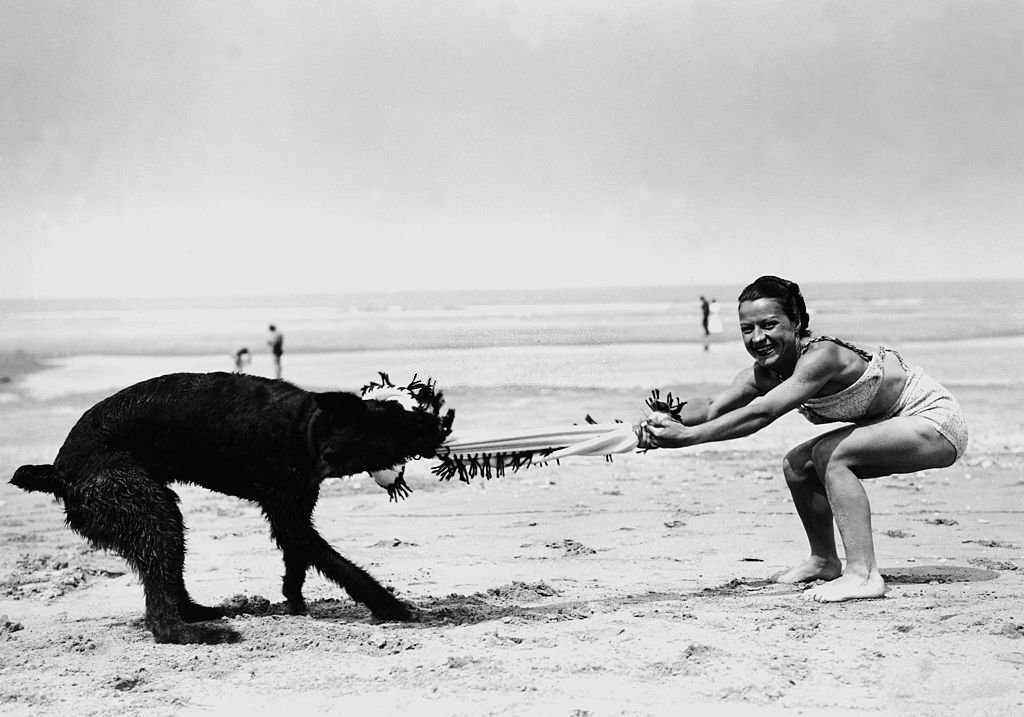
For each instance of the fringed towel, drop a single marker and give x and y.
(468, 454)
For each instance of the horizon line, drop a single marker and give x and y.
(484, 290)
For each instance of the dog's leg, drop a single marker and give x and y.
(296, 561)
(191, 611)
(295, 568)
(300, 538)
(119, 507)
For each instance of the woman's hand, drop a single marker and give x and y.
(661, 430)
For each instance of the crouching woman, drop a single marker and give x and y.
(902, 421)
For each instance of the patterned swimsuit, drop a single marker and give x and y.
(921, 396)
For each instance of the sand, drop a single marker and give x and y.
(590, 588)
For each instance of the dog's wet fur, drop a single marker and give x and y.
(263, 440)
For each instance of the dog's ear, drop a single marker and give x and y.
(340, 404)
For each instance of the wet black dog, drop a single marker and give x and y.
(266, 441)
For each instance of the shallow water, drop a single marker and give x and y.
(893, 312)
(991, 363)
(964, 333)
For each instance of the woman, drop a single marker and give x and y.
(902, 421)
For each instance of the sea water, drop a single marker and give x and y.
(967, 333)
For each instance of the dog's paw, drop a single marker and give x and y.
(298, 607)
(395, 611)
(416, 613)
(193, 612)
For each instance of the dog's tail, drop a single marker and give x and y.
(40, 479)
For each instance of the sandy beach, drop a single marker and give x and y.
(588, 588)
(550, 210)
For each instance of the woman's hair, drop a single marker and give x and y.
(787, 293)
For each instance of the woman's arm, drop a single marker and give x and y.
(740, 392)
(736, 418)
(695, 411)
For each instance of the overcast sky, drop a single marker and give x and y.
(169, 147)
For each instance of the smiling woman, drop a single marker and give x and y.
(902, 420)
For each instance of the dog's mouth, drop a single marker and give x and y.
(440, 427)
(431, 448)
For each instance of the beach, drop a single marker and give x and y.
(632, 587)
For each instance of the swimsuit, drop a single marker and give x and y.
(921, 396)
(852, 402)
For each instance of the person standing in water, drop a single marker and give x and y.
(705, 314)
(276, 343)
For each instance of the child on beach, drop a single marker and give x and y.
(241, 358)
(903, 421)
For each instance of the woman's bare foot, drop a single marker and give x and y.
(814, 568)
(848, 587)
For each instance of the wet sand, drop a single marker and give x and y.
(632, 587)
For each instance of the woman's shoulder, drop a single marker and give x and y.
(832, 345)
(834, 363)
(824, 360)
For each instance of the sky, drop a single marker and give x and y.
(169, 148)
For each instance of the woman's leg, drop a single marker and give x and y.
(843, 458)
(815, 513)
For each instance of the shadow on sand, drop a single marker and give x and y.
(532, 601)
(926, 574)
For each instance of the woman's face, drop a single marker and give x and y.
(769, 336)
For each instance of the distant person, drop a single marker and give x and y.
(714, 320)
(276, 344)
(899, 420)
(242, 358)
(705, 313)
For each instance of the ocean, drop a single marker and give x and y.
(966, 333)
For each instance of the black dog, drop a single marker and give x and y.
(263, 440)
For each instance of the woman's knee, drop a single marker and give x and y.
(797, 465)
(825, 453)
